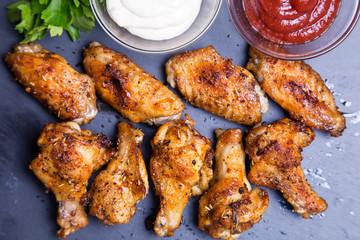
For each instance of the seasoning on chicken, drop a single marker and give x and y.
(129, 89)
(68, 156)
(297, 88)
(117, 189)
(275, 153)
(53, 82)
(213, 83)
(229, 207)
(180, 167)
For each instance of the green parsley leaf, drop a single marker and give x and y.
(57, 14)
(55, 31)
(86, 2)
(14, 13)
(83, 23)
(35, 18)
(38, 21)
(27, 19)
(88, 13)
(77, 3)
(73, 32)
(77, 11)
(37, 7)
(34, 34)
(45, 2)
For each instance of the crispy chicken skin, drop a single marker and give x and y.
(180, 167)
(53, 82)
(275, 153)
(229, 207)
(68, 155)
(213, 83)
(117, 189)
(299, 90)
(129, 89)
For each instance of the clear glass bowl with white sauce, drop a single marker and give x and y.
(207, 14)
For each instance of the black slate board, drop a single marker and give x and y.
(332, 164)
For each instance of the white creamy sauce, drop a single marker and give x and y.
(154, 19)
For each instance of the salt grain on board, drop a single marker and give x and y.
(355, 116)
(325, 185)
(316, 173)
(328, 154)
(345, 103)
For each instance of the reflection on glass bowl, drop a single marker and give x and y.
(208, 12)
(341, 27)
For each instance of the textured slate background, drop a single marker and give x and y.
(331, 164)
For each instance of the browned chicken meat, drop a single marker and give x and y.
(229, 207)
(180, 167)
(300, 90)
(129, 89)
(275, 153)
(117, 189)
(68, 155)
(213, 83)
(53, 82)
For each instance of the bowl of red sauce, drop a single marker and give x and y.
(294, 29)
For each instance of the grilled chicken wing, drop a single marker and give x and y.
(117, 189)
(68, 155)
(53, 82)
(213, 83)
(229, 207)
(180, 168)
(299, 90)
(275, 152)
(129, 89)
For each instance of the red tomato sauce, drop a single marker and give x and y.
(291, 21)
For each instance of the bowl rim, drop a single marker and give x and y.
(173, 49)
(299, 56)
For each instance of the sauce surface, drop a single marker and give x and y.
(154, 19)
(291, 21)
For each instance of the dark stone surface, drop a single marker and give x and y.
(27, 212)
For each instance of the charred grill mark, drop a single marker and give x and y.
(116, 83)
(209, 77)
(302, 96)
(228, 69)
(103, 141)
(284, 157)
(260, 151)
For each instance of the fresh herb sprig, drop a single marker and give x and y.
(35, 18)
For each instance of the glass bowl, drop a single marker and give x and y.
(208, 12)
(341, 27)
